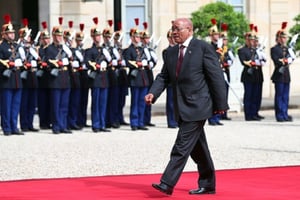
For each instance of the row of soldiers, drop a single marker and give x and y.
(55, 77)
(252, 56)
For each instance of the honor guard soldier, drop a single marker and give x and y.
(77, 60)
(260, 60)
(217, 43)
(251, 76)
(122, 75)
(84, 79)
(226, 59)
(112, 119)
(171, 121)
(43, 74)
(138, 78)
(30, 60)
(58, 56)
(97, 60)
(10, 80)
(282, 56)
(152, 60)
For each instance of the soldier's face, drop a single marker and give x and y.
(10, 36)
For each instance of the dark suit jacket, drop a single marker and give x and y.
(199, 88)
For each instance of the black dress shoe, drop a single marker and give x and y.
(134, 128)
(45, 127)
(7, 133)
(124, 123)
(87, 126)
(219, 123)
(55, 132)
(150, 124)
(143, 128)
(225, 118)
(17, 133)
(66, 131)
(33, 130)
(254, 118)
(280, 120)
(25, 129)
(172, 126)
(96, 130)
(203, 191)
(212, 123)
(104, 130)
(115, 125)
(163, 188)
(75, 127)
(260, 117)
(289, 119)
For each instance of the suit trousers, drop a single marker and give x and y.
(190, 141)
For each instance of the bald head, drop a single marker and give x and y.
(182, 29)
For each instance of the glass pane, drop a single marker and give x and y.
(135, 1)
(135, 12)
(236, 2)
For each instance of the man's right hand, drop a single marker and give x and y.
(149, 98)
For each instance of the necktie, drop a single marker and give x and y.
(180, 59)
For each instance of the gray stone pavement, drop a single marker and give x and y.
(237, 144)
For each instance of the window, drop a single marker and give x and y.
(238, 5)
(134, 9)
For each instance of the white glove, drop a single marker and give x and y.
(292, 53)
(114, 62)
(67, 50)
(103, 65)
(144, 63)
(116, 53)
(259, 54)
(151, 64)
(75, 64)
(22, 53)
(18, 62)
(33, 53)
(257, 62)
(79, 55)
(147, 53)
(220, 43)
(106, 54)
(33, 63)
(65, 61)
(229, 62)
(123, 63)
(290, 60)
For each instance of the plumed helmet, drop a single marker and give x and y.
(68, 33)
(57, 30)
(7, 27)
(214, 29)
(118, 33)
(145, 33)
(95, 30)
(282, 32)
(80, 35)
(134, 31)
(107, 32)
(251, 34)
(45, 33)
(24, 30)
(224, 33)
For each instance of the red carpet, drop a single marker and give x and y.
(279, 183)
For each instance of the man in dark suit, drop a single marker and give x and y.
(199, 91)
